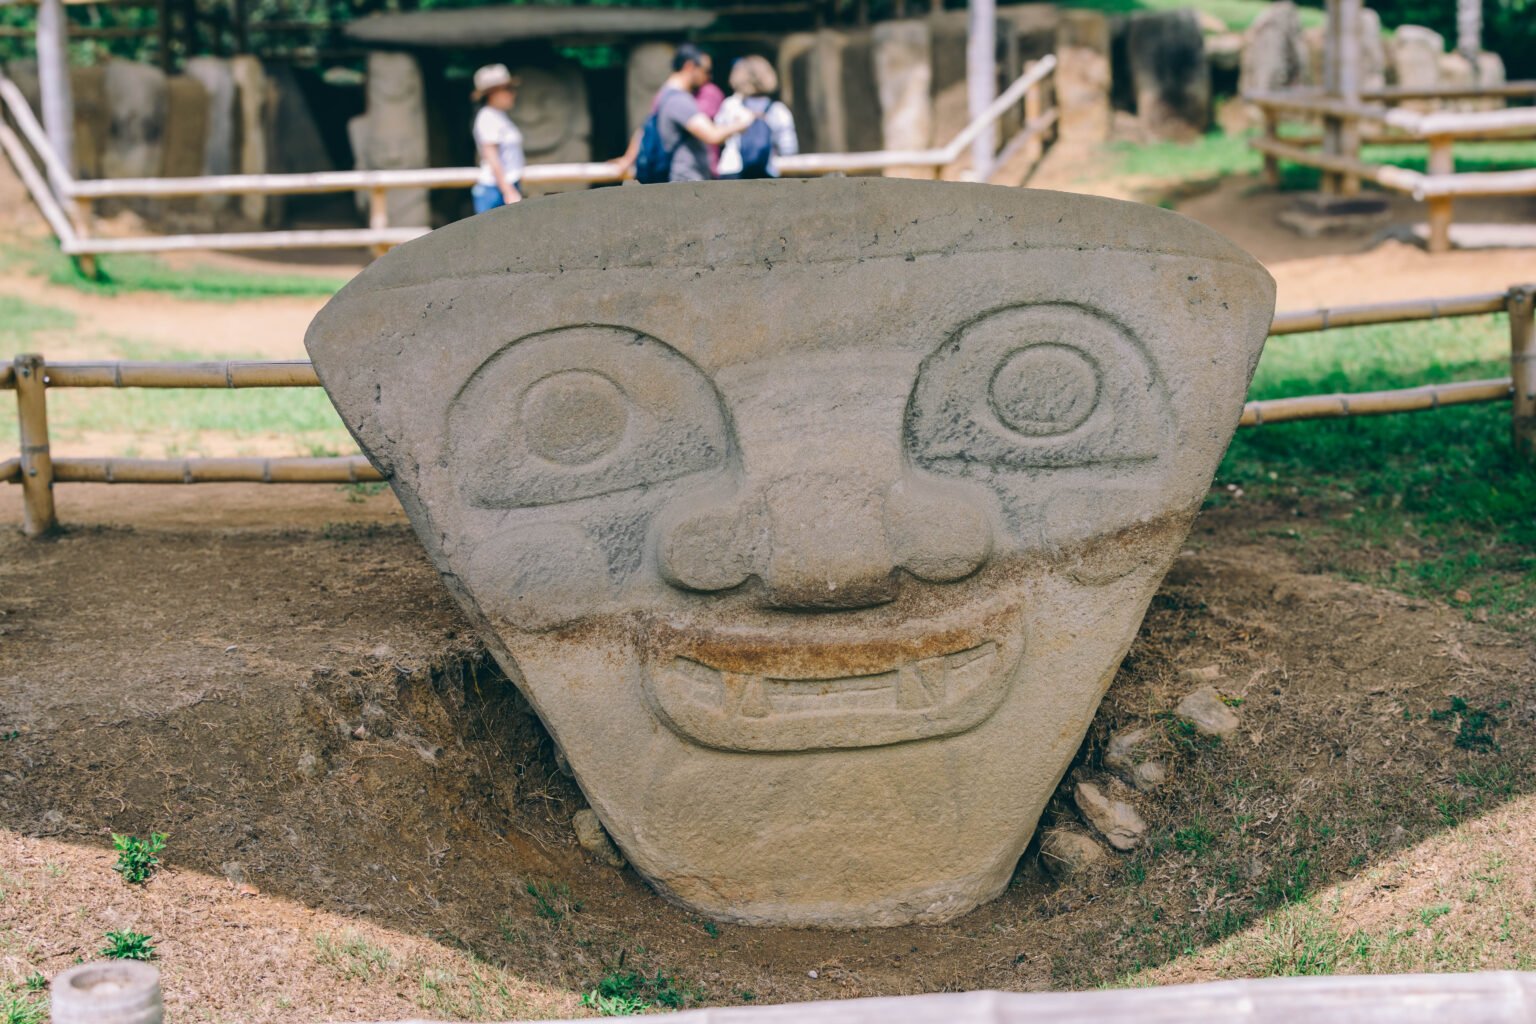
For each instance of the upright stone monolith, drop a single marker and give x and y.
(813, 517)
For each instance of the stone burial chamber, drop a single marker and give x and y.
(813, 517)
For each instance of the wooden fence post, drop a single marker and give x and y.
(36, 464)
(1522, 369)
(378, 216)
(1272, 134)
(1441, 161)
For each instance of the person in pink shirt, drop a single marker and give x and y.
(709, 98)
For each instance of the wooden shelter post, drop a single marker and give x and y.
(981, 80)
(53, 84)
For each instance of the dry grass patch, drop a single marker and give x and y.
(228, 953)
(1463, 900)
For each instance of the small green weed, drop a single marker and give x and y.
(136, 858)
(128, 946)
(1429, 915)
(353, 956)
(19, 1009)
(1194, 838)
(1474, 726)
(623, 993)
(36, 982)
(552, 900)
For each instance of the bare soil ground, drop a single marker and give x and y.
(367, 822)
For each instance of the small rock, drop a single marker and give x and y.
(812, 975)
(1461, 596)
(1208, 674)
(1121, 753)
(594, 839)
(1148, 775)
(308, 765)
(1067, 851)
(234, 871)
(1207, 712)
(383, 652)
(360, 733)
(1117, 821)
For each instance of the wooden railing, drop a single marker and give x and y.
(66, 203)
(1440, 130)
(37, 471)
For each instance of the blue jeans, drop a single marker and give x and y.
(488, 197)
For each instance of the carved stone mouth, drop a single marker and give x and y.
(720, 706)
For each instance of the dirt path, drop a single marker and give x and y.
(286, 689)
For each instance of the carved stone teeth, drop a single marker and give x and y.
(922, 684)
(744, 695)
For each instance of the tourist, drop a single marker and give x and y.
(755, 152)
(498, 142)
(678, 131)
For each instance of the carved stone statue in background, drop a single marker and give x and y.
(813, 517)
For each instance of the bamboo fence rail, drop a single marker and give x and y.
(30, 377)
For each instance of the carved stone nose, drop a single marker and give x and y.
(827, 543)
(830, 540)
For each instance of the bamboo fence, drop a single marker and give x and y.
(67, 203)
(30, 376)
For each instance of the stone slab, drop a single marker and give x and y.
(1169, 74)
(813, 517)
(1083, 76)
(904, 77)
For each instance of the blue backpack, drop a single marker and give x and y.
(757, 140)
(653, 164)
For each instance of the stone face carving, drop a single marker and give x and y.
(553, 114)
(813, 517)
(1272, 57)
(392, 134)
(1416, 56)
(136, 102)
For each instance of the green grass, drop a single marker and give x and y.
(623, 993)
(173, 420)
(18, 1008)
(1440, 488)
(20, 320)
(134, 273)
(128, 945)
(1238, 14)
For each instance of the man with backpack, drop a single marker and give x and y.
(674, 144)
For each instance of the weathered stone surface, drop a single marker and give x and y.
(186, 127)
(1065, 852)
(1373, 51)
(1121, 825)
(1148, 775)
(1273, 57)
(829, 85)
(813, 517)
(1125, 748)
(255, 98)
(392, 133)
(1416, 53)
(552, 113)
(593, 838)
(904, 78)
(1082, 76)
(1207, 712)
(136, 105)
(648, 67)
(221, 146)
(1169, 73)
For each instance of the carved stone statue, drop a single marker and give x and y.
(812, 517)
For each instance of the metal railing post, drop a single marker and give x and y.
(1522, 371)
(38, 516)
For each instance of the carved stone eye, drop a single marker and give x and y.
(575, 417)
(1042, 386)
(581, 412)
(1045, 389)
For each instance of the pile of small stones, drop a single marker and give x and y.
(1105, 802)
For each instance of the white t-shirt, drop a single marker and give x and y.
(494, 127)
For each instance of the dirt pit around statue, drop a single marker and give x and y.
(365, 820)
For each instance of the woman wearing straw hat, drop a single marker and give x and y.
(498, 142)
